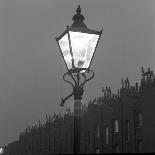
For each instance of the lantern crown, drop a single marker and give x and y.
(78, 19)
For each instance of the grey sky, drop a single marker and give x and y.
(31, 68)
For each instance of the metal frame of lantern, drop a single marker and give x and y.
(78, 79)
(81, 30)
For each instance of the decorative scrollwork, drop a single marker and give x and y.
(87, 79)
(78, 82)
(64, 78)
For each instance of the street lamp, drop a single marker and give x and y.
(77, 45)
(1, 150)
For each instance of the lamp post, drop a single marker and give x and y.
(78, 45)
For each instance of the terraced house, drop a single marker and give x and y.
(122, 122)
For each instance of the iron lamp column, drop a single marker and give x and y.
(78, 82)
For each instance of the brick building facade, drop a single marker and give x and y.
(122, 122)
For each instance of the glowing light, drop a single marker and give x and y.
(83, 46)
(1, 150)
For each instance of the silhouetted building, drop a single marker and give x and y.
(122, 122)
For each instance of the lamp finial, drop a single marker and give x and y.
(78, 19)
(78, 9)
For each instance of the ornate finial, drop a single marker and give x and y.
(78, 15)
(78, 19)
(78, 10)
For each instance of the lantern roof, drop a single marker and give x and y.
(79, 25)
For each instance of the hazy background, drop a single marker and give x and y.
(31, 68)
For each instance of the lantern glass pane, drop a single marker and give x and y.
(83, 47)
(64, 45)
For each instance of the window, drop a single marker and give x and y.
(139, 146)
(88, 138)
(55, 144)
(106, 135)
(66, 141)
(82, 133)
(127, 130)
(98, 131)
(97, 151)
(115, 126)
(139, 119)
(116, 148)
(61, 146)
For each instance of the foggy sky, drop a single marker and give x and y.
(31, 68)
